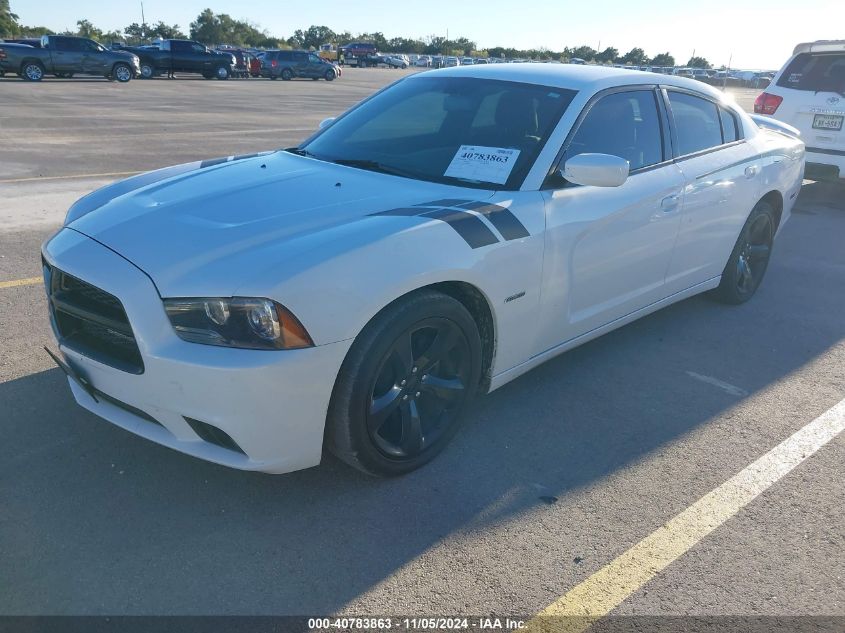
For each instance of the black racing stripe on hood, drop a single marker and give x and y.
(447, 202)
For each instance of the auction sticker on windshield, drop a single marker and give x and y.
(485, 164)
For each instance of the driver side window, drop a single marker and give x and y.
(623, 124)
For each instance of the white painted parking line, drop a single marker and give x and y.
(598, 595)
(724, 386)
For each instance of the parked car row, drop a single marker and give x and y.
(66, 56)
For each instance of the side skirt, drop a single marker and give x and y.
(514, 372)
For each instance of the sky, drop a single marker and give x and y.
(753, 34)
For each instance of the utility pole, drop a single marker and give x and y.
(143, 22)
(725, 79)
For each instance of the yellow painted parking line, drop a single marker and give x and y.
(598, 595)
(112, 174)
(29, 281)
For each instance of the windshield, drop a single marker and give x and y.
(457, 130)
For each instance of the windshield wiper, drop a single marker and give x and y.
(372, 165)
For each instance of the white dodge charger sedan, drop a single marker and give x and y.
(437, 240)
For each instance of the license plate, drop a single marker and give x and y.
(827, 122)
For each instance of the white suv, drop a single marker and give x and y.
(809, 94)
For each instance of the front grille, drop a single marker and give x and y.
(91, 321)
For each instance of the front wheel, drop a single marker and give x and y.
(404, 386)
(222, 73)
(32, 71)
(122, 73)
(330, 74)
(147, 71)
(750, 257)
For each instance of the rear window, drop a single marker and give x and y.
(729, 131)
(697, 122)
(816, 72)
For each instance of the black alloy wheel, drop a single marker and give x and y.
(419, 388)
(754, 256)
(405, 384)
(749, 260)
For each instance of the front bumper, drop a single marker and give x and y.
(272, 404)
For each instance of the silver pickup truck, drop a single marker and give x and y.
(65, 56)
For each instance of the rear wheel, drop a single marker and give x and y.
(405, 385)
(750, 257)
(32, 71)
(287, 74)
(222, 73)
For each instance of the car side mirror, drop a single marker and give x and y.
(326, 123)
(598, 170)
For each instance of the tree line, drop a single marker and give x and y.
(220, 28)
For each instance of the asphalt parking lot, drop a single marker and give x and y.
(553, 479)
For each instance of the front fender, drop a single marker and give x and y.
(341, 278)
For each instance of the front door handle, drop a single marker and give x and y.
(670, 203)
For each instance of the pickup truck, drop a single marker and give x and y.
(65, 56)
(183, 56)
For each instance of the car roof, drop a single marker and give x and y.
(820, 46)
(571, 76)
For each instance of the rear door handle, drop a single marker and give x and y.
(751, 171)
(670, 203)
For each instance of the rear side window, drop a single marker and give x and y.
(623, 124)
(729, 129)
(697, 123)
(816, 72)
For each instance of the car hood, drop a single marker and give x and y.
(204, 229)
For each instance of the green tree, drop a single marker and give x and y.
(587, 53)
(313, 36)
(136, 33)
(35, 31)
(207, 28)
(663, 59)
(9, 26)
(608, 55)
(166, 31)
(698, 62)
(636, 57)
(84, 28)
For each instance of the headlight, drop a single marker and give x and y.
(236, 322)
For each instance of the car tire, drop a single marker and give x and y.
(750, 257)
(147, 71)
(222, 73)
(32, 71)
(330, 74)
(122, 73)
(418, 365)
(287, 74)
